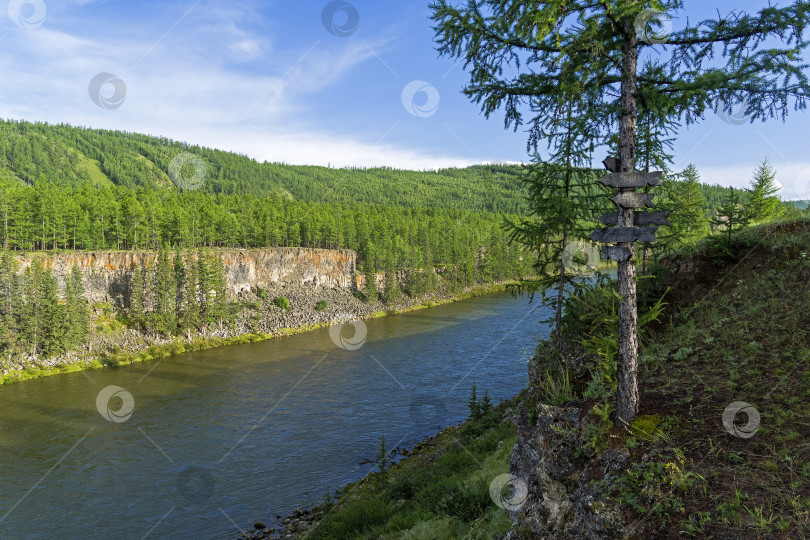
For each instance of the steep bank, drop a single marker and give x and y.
(721, 446)
(306, 278)
(106, 274)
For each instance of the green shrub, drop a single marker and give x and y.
(353, 519)
(282, 302)
(262, 293)
(466, 501)
(321, 305)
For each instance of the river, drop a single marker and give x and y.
(199, 444)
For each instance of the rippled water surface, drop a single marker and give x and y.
(228, 436)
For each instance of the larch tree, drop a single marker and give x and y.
(524, 55)
(685, 199)
(732, 215)
(565, 200)
(76, 309)
(763, 201)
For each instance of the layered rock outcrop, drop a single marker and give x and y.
(106, 274)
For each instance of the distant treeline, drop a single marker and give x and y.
(74, 156)
(68, 155)
(49, 216)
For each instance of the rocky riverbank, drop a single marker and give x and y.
(112, 343)
(301, 521)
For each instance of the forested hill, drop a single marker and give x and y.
(77, 156)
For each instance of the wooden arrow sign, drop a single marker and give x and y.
(631, 199)
(640, 219)
(616, 253)
(632, 179)
(624, 234)
(612, 164)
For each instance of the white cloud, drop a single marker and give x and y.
(794, 177)
(190, 89)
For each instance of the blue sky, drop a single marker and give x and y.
(268, 79)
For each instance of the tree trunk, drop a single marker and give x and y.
(627, 391)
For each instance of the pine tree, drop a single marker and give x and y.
(76, 309)
(180, 278)
(30, 316)
(219, 294)
(43, 318)
(53, 320)
(763, 201)
(732, 215)
(9, 303)
(688, 204)
(189, 320)
(486, 403)
(204, 288)
(371, 275)
(473, 405)
(137, 299)
(563, 194)
(165, 291)
(392, 291)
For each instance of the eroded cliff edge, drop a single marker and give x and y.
(106, 274)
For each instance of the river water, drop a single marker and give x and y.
(202, 443)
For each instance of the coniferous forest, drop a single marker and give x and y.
(64, 188)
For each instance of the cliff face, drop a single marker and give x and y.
(106, 275)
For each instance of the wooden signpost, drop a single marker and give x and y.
(629, 226)
(612, 164)
(628, 198)
(631, 199)
(616, 253)
(624, 234)
(640, 219)
(632, 179)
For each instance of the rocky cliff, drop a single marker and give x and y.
(106, 274)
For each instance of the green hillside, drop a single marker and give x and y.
(73, 156)
(69, 155)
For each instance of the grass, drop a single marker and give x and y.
(440, 492)
(737, 330)
(723, 324)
